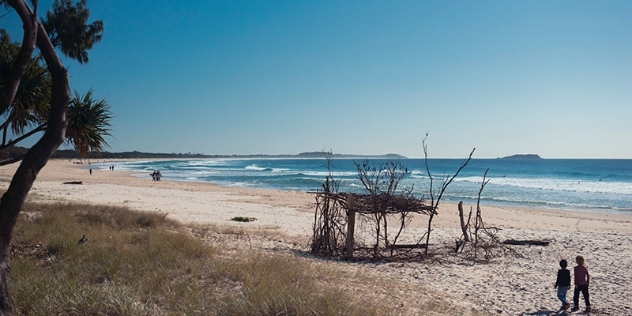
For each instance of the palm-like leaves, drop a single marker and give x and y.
(31, 101)
(88, 123)
(68, 28)
(88, 119)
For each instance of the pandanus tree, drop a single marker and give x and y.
(88, 118)
(88, 123)
(71, 32)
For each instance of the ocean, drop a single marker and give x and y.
(571, 184)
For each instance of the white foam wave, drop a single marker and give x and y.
(324, 174)
(557, 185)
(255, 167)
(280, 170)
(207, 163)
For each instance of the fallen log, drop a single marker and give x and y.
(74, 182)
(413, 246)
(526, 242)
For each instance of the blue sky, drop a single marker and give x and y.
(364, 77)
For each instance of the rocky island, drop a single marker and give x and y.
(522, 156)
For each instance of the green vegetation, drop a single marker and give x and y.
(136, 263)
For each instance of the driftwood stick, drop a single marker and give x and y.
(466, 236)
(526, 242)
(350, 232)
(409, 246)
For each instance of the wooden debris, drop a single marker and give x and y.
(526, 242)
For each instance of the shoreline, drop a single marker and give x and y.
(493, 204)
(58, 171)
(515, 286)
(557, 194)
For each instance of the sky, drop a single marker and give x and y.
(552, 78)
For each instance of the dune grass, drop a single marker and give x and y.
(136, 263)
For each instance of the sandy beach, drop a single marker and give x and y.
(508, 285)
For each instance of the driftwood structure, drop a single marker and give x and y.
(336, 214)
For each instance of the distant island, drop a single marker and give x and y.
(523, 156)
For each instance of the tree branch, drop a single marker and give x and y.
(23, 137)
(450, 179)
(11, 161)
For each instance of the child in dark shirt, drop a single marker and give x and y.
(582, 280)
(562, 283)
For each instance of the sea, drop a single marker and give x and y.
(603, 185)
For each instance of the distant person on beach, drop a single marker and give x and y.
(562, 284)
(155, 176)
(582, 280)
(90, 171)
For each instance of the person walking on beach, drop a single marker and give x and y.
(562, 284)
(582, 280)
(90, 171)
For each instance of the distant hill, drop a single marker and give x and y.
(15, 152)
(523, 156)
(320, 154)
(313, 155)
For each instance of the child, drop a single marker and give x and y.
(582, 279)
(562, 283)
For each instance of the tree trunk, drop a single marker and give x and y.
(37, 157)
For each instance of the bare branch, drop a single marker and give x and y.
(451, 178)
(435, 203)
(425, 147)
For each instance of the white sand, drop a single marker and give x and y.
(507, 285)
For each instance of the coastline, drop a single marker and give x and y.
(507, 284)
(572, 185)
